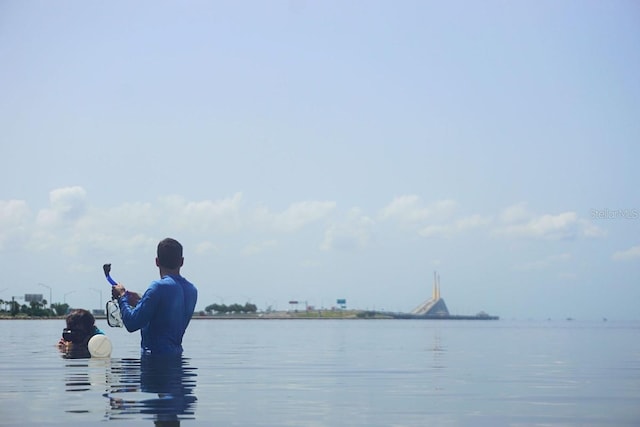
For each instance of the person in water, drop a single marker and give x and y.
(165, 309)
(81, 327)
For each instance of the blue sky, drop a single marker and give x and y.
(320, 150)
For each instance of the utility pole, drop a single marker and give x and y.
(14, 309)
(50, 293)
(100, 291)
(65, 296)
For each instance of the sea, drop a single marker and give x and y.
(332, 372)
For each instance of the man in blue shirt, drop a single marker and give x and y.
(164, 311)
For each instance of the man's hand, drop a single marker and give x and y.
(117, 291)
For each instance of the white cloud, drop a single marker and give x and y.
(409, 209)
(519, 222)
(124, 228)
(66, 205)
(13, 213)
(515, 213)
(355, 232)
(590, 230)
(515, 221)
(434, 220)
(455, 227)
(546, 226)
(132, 242)
(84, 268)
(632, 253)
(14, 220)
(259, 247)
(205, 247)
(131, 216)
(205, 215)
(73, 227)
(295, 217)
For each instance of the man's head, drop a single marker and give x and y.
(169, 254)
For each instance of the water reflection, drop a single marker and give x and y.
(159, 386)
(84, 378)
(438, 364)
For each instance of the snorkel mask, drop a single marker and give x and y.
(113, 314)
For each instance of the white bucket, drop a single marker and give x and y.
(100, 346)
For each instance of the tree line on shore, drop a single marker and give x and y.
(232, 308)
(43, 309)
(33, 309)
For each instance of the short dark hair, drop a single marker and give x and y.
(169, 253)
(81, 320)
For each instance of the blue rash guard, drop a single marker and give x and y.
(162, 315)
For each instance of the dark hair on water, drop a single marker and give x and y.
(80, 328)
(169, 253)
(81, 320)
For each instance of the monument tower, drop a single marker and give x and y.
(434, 307)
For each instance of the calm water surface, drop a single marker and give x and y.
(332, 373)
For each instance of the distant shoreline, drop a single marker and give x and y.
(329, 315)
